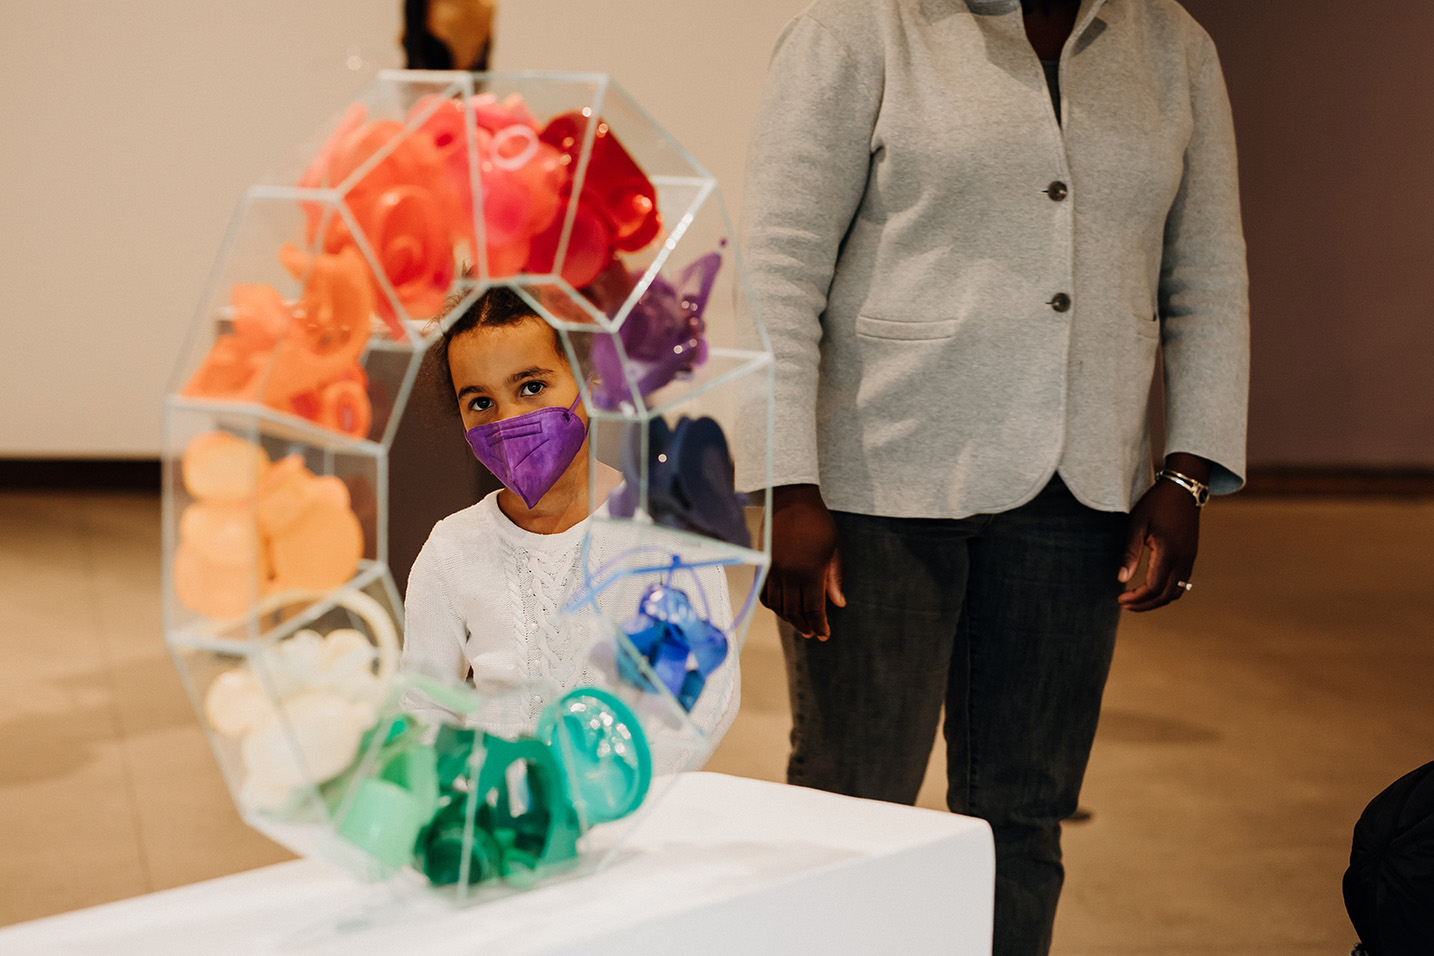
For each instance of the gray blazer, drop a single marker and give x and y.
(965, 296)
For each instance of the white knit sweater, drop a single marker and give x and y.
(485, 594)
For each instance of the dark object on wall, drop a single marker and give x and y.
(436, 33)
(1389, 886)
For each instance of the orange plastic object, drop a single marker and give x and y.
(397, 170)
(411, 233)
(286, 356)
(344, 407)
(235, 365)
(330, 326)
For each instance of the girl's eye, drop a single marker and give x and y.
(481, 404)
(529, 389)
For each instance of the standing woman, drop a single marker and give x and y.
(971, 225)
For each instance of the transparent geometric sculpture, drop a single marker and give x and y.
(340, 269)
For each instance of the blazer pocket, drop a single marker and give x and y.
(904, 331)
(1148, 324)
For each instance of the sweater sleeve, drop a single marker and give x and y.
(434, 630)
(807, 167)
(1204, 301)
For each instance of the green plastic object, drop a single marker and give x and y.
(389, 809)
(440, 849)
(383, 820)
(472, 807)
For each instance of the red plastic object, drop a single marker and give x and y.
(589, 248)
(613, 185)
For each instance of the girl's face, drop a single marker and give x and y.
(506, 370)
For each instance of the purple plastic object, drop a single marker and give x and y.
(690, 483)
(663, 335)
(528, 453)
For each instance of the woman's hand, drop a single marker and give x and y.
(806, 567)
(1166, 521)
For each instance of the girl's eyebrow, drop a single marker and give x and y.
(536, 371)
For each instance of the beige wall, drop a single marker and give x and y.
(130, 131)
(126, 150)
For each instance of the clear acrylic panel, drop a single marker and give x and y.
(339, 270)
(391, 98)
(255, 515)
(291, 327)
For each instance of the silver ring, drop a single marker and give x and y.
(1184, 584)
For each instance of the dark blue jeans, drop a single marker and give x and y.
(1009, 621)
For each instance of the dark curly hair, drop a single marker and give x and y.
(498, 306)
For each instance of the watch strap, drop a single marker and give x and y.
(1198, 489)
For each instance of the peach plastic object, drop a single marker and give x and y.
(222, 467)
(258, 528)
(321, 547)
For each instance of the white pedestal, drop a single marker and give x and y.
(722, 865)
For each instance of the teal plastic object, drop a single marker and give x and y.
(472, 807)
(522, 822)
(383, 820)
(529, 816)
(603, 750)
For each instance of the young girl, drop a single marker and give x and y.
(486, 592)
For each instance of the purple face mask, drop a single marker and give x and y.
(528, 453)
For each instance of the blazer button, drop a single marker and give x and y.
(1057, 191)
(1060, 302)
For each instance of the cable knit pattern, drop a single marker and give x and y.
(485, 594)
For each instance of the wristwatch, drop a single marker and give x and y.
(1198, 489)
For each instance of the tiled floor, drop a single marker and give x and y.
(1244, 728)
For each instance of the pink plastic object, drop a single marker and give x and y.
(521, 178)
(492, 115)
